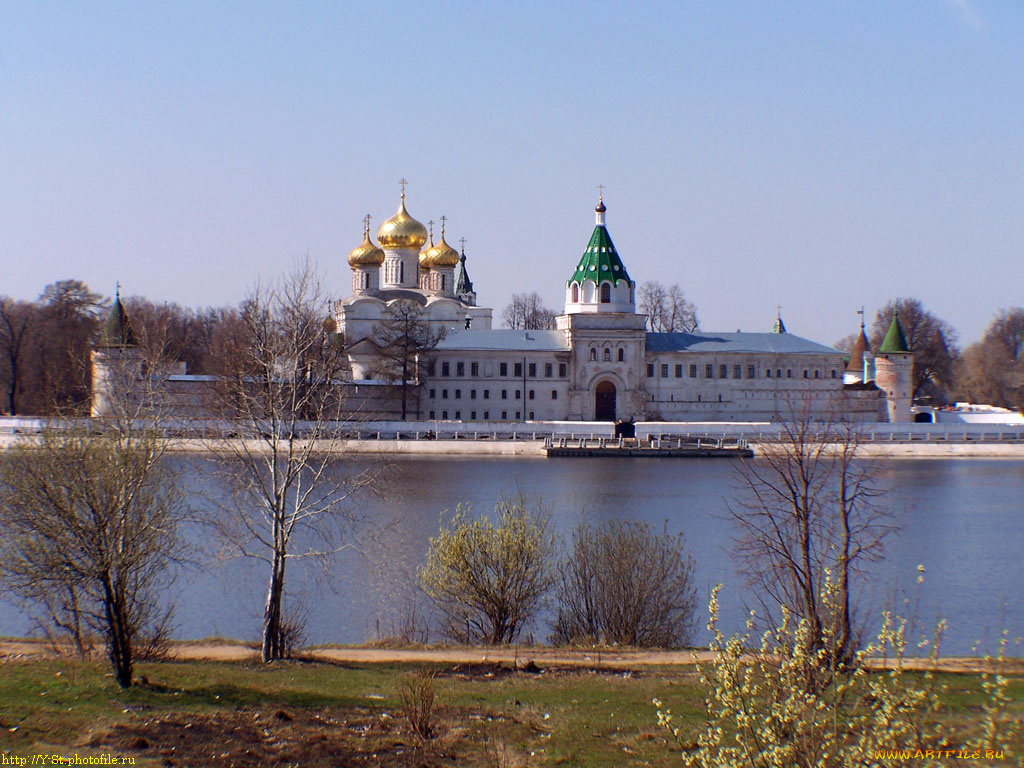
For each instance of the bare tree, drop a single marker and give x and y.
(18, 319)
(625, 583)
(992, 369)
(667, 308)
(88, 532)
(489, 578)
(932, 340)
(528, 313)
(808, 515)
(404, 339)
(281, 397)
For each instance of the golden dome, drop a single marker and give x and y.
(440, 255)
(402, 230)
(366, 254)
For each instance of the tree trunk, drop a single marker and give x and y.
(272, 612)
(119, 646)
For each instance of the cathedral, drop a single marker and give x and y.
(599, 363)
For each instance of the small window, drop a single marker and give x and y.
(693, 370)
(518, 370)
(472, 394)
(737, 371)
(531, 394)
(679, 371)
(554, 394)
(487, 415)
(549, 370)
(789, 373)
(778, 373)
(607, 355)
(817, 373)
(664, 370)
(622, 355)
(474, 369)
(533, 370)
(606, 293)
(575, 293)
(833, 373)
(518, 394)
(723, 371)
(751, 371)
(432, 415)
(446, 369)
(458, 394)
(458, 414)
(444, 394)
(487, 394)
(460, 369)
(472, 415)
(517, 415)
(532, 416)
(709, 371)
(503, 369)
(504, 415)
(562, 370)
(444, 414)
(807, 374)
(504, 394)
(650, 370)
(432, 395)
(768, 373)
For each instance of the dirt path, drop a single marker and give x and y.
(542, 657)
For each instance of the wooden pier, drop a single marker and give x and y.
(696, 448)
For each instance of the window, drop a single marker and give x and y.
(503, 369)
(789, 373)
(472, 415)
(518, 394)
(445, 369)
(807, 374)
(432, 395)
(517, 415)
(554, 394)
(563, 370)
(531, 415)
(575, 293)
(458, 414)
(549, 370)
(664, 370)
(442, 288)
(737, 371)
(833, 373)
(606, 293)
(679, 371)
(751, 371)
(622, 355)
(778, 373)
(504, 394)
(432, 414)
(593, 354)
(460, 369)
(444, 394)
(474, 369)
(531, 394)
(458, 394)
(487, 415)
(444, 414)
(693, 370)
(518, 370)
(768, 372)
(472, 394)
(487, 394)
(533, 370)
(504, 414)
(650, 370)
(723, 371)
(709, 371)
(607, 355)
(817, 373)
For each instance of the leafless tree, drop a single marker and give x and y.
(404, 340)
(992, 370)
(528, 313)
(88, 530)
(625, 583)
(667, 308)
(808, 517)
(282, 400)
(18, 319)
(931, 339)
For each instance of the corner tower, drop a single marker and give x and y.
(116, 362)
(894, 371)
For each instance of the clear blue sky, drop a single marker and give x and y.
(817, 155)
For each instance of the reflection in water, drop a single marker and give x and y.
(960, 519)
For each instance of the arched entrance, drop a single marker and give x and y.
(924, 418)
(604, 402)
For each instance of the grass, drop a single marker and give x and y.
(296, 713)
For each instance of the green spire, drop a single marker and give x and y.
(117, 331)
(895, 341)
(600, 261)
(462, 282)
(778, 326)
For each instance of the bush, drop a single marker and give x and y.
(488, 580)
(417, 692)
(625, 583)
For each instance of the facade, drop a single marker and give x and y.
(598, 364)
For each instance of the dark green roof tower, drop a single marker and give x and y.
(895, 341)
(778, 326)
(600, 282)
(117, 330)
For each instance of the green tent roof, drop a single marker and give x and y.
(895, 341)
(117, 331)
(600, 261)
(462, 282)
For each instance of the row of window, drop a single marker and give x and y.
(737, 371)
(472, 415)
(503, 369)
(531, 394)
(608, 354)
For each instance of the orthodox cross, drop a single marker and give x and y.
(403, 182)
(462, 244)
(600, 191)
(443, 220)
(861, 313)
(431, 223)
(366, 225)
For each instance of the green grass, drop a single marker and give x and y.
(560, 717)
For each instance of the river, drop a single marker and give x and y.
(963, 520)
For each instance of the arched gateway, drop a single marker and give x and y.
(604, 402)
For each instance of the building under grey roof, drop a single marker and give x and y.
(770, 343)
(522, 341)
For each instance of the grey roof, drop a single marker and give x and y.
(702, 341)
(526, 341)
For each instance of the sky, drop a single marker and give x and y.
(818, 155)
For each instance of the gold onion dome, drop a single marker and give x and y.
(402, 230)
(366, 254)
(440, 255)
